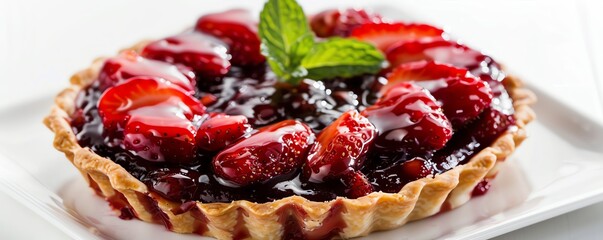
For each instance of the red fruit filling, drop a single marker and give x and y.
(201, 52)
(336, 22)
(239, 30)
(256, 139)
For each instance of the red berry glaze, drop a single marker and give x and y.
(201, 52)
(239, 30)
(461, 96)
(220, 130)
(408, 119)
(477, 135)
(274, 150)
(336, 22)
(394, 177)
(340, 147)
(356, 185)
(129, 64)
(383, 35)
(174, 183)
(415, 169)
(156, 118)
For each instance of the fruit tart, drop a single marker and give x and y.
(291, 127)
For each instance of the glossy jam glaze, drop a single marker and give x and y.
(257, 95)
(254, 92)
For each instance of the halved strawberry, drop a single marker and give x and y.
(274, 150)
(462, 96)
(129, 64)
(239, 30)
(220, 130)
(408, 119)
(337, 22)
(340, 147)
(383, 35)
(156, 118)
(203, 53)
(445, 51)
(356, 184)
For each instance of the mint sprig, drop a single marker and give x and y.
(288, 44)
(339, 57)
(286, 37)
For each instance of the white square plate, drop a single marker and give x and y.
(556, 170)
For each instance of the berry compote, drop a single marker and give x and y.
(250, 102)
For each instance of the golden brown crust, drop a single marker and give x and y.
(243, 219)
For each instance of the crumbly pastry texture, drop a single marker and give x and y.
(243, 219)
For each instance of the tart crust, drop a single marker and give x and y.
(244, 219)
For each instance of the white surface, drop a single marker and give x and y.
(555, 45)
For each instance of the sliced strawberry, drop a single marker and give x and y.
(356, 185)
(461, 96)
(201, 52)
(408, 119)
(421, 71)
(156, 118)
(239, 30)
(340, 147)
(129, 64)
(445, 51)
(274, 150)
(336, 22)
(383, 35)
(220, 130)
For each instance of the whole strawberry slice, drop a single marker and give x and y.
(129, 64)
(274, 150)
(408, 119)
(445, 51)
(156, 118)
(383, 35)
(462, 96)
(336, 22)
(203, 53)
(239, 30)
(340, 147)
(220, 130)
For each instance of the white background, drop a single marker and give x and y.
(556, 45)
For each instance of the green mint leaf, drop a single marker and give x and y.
(286, 37)
(338, 57)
